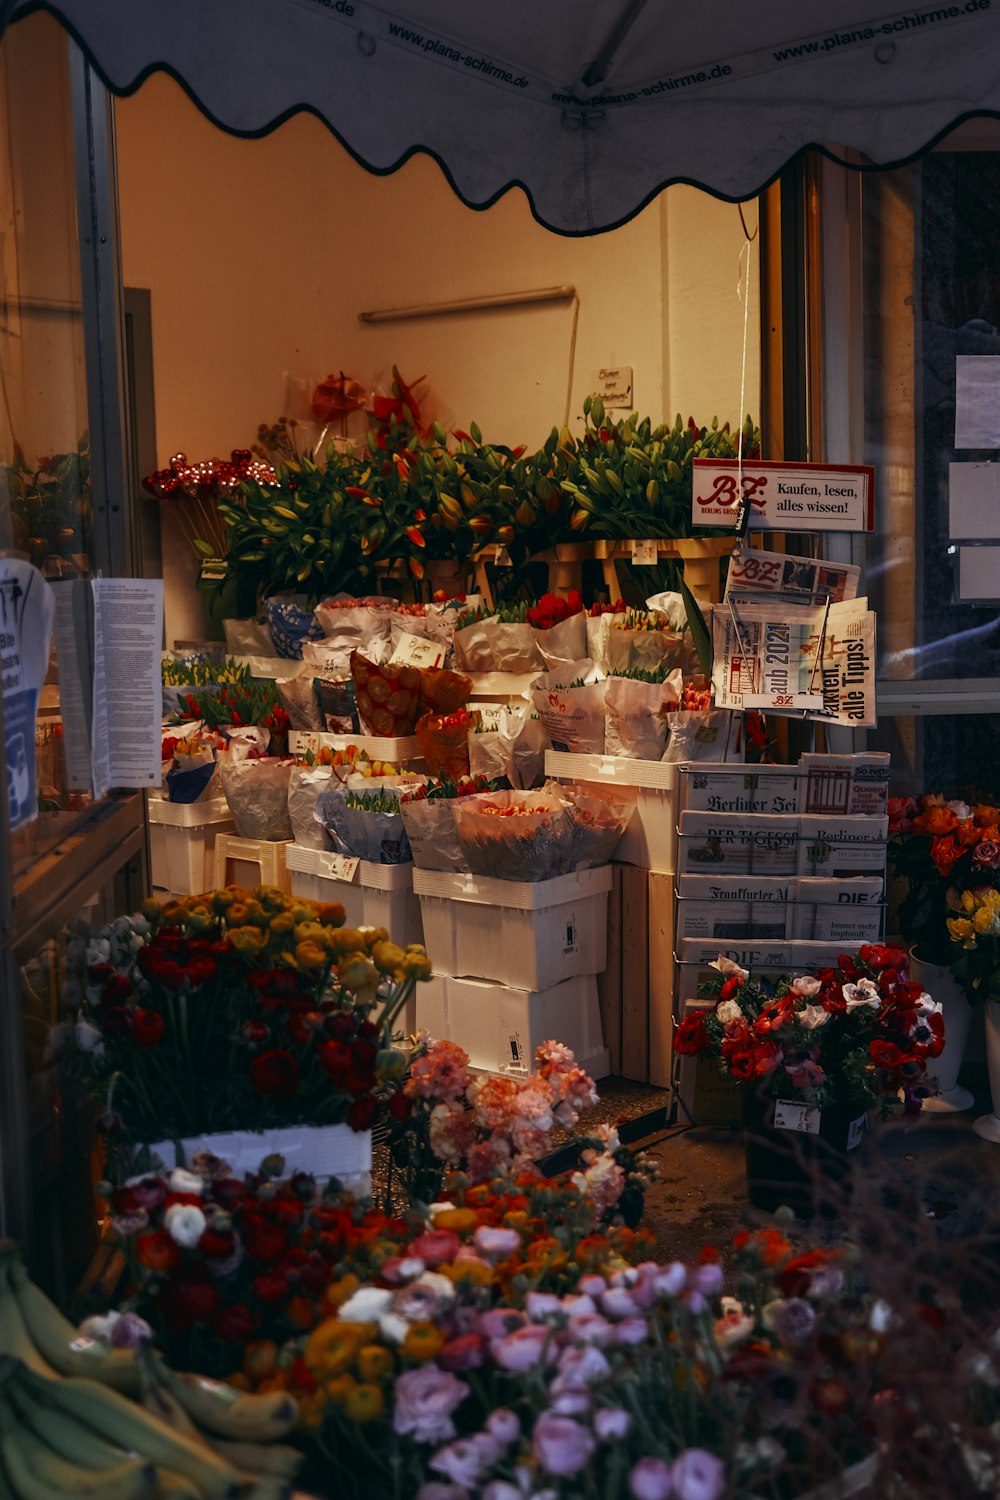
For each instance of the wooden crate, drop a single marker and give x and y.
(636, 989)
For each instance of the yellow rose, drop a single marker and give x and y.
(247, 940)
(310, 955)
(983, 920)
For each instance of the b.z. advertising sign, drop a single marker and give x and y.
(783, 496)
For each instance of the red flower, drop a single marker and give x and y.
(264, 1241)
(729, 987)
(118, 988)
(401, 1105)
(147, 1028)
(201, 969)
(945, 853)
(362, 1113)
(275, 1074)
(217, 1243)
(256, 1032)
(269, 1286)
(335, 1057)
(690, 1038)
(113, 1019)
(236, 1324)
(887, 1054)
(341, 1025)
(157, 1251)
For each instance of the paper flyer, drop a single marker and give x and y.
(773, 577)
(128, 692)
(26, 610)
(74, 627)
(768, 657)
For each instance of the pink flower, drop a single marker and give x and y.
(805, 1074)
(698, 1475)
(504, 1426)
(465, 1352)
(806, 985)
(672, 1281)
(603, 1182)
(464, 1462)
(986, 854)
(618, 1302)
(497, 1322)
(435, 1246)
(524, 1348)
(494, 1101)
(631, 1331)
(424, 1300)
(592, 1285)
(496, 1243)
(561, 1445)
(539, 1305)
(707, 1279)
(442, 1073)
(591, 1328)
(424, 1401)
(612, 1423)
(580, 1367)
(451, 1132)
(486, 1158)
(570, 1403)
(650, 1479)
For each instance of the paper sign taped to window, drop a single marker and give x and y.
(974, 502)
(26, 610)
(977, 401)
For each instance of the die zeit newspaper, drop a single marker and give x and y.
(774, 653)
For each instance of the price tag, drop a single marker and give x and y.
(340, 867)
(415, 651)
(856, 1132)
(800, 1117)
(501, 557)
(645, 552)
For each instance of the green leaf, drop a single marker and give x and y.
(699, 630)
(205, 548)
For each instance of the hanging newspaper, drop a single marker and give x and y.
(772, 577)
(781, 658)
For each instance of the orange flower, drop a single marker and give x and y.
(475, 1272)
(338, 1292)
(259, 1359)
(276, 1382)
(516, 1220)
(340, 1387)
(460, 1220)
(423, 1341)
(332, 1347)
(935, 820)
(364, 1403)
(967, 834)
(302, 1312)
(986, 816)
(547, 1252)
(375, 1362)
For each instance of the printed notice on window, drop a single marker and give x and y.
(26, 606)
(977, 401)
(128, 696)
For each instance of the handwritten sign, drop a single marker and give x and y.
(789, 1116)
(614, 386)
(416, 651)
(644, 552)
(783, 496)
(341, 867)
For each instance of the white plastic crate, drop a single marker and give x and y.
(527, 934)
(398, 752)
(372, 895)
(500, 1025)
(250, 862)
(182, 843)
(650, 840)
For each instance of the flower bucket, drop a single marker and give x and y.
(803, 1161)
(941, 984)
(324, 1150)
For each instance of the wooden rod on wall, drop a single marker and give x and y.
(469, 304)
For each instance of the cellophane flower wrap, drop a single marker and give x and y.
(240, 1010)
(948, 855)
(854, 1035)
(514, 835)
(430, 823)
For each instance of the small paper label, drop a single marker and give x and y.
(571, 942)
(341, 867)
(415, 651)
(856, 1132)
(645, 552)
(788, 1116)
(490, 716)
(502, 557)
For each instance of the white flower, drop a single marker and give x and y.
(409, 1267)
(925, 1006)
(88, 1038)
(99, 1327)
(962, 810)
(436, 1208)
(865, 992)
(806, 985)
(391, 1326)
(881, 1317)
(812, 1017)
(728, 1011)
(185, 1182)
(366, 1306)
(727, 968)
(185, 1223)
(98, 951)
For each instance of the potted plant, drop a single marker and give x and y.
(939, 850)
(817, 1055)
(243, 1022)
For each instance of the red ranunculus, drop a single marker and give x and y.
(690, 1038)
(118, 988)
(269, 1286)
(335, 1058)
(217, 1244)
(264, 1241)
(148, 1027)
(113, 1019)
(157, 1251)
(315, 1275)
(275, 1074)
(100, 973)
(369, 1029)
(298, 1031)
(401, 1105)
(160, 969)
(201, 969)
(256, 1032)
(357, 1083)
(341, 1025)
(236, 1324)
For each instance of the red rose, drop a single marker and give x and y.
(217, 1244)
(341, 1025)
(201, 969)
(275, 1074)
(362, 1113)
(147, 1028)
(264, 1241)
(157, 1251)
(236, 1324)
(945, 853)
(690, 1037)
(117, 989)
(986, 854)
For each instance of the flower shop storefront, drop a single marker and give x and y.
(468, 796)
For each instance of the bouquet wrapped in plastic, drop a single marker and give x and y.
(256, 788)
(387, 696)
(444, 742)
(561, 628)
(570, 702)
(365, 824)
(638, 705)
(516, 835)
(430, 822)
(599, 816)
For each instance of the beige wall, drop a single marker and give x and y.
(260, 254)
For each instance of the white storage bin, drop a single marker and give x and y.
(528, 934)
(500, 1026)
(182, 843)
(372, 895)
(650, 840)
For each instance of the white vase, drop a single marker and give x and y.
(324, 1150)
(988, 1126)
(940, 984)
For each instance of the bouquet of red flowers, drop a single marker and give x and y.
(851, 1036)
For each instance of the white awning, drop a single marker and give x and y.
(590, 108)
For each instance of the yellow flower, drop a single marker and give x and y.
(200, 918)
(340, 1388)
(311, 1407)
(223, 900)
(358, 973)
(460, 1220)
(247, 940)
(332, 1347)
(330, 913)
(347, 940)
(962, 931)
(310, 932)
(983, 919)
(281, 925)
(364, 1403)
(338, 1292)
(388, 957)
(270, 897)
(302, 911)
(475, 1272)
(416, 963)
(152, 910)
(375, 1362)
(310, 955)
(173, 912)
(423, 1341)
(237, 914)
